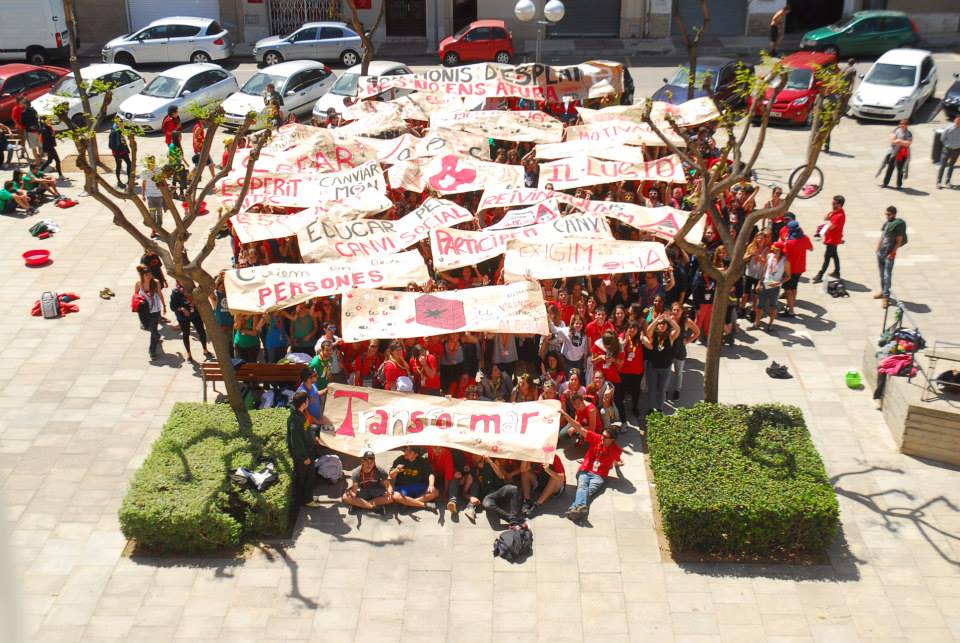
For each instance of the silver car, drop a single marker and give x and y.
(179, 39)
(202, 84)
(312, 41)
(299, 82)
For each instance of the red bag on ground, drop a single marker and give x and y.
(66, 203)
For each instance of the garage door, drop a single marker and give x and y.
(143, 12)
(588, 18)
(727, 17)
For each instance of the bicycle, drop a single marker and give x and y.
(810, 189)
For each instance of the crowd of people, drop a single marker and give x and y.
(34, 138)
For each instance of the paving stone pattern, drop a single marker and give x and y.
(80, 407)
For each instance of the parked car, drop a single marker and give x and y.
(312, 41)
(33, 30)
(865, 33)
(299, 82)
(202, 84)
(896, 86)
(124, 83)
(951, 100)
(179, 39)
(480, 41)
(714, 75)
(18, 79)
(346, 85)
(795, 101)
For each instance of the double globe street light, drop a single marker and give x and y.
(526, 10)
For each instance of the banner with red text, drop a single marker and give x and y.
(521, 126)
(376, 314)
(322, 239)
(435, 142)
(302, 148)
(367, 419)
(622, 132)
(497, 196)
(586, 170)
(452, 248)
(611, 152)
(259, 289)
(259, 226)
(307, 189)
(542, 212)
(687, 114)
(663, 222)
(526, 260)
(453, 174)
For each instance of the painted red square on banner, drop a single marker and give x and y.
(364, 4)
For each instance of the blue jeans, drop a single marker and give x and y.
(885, 263)
(588, 484)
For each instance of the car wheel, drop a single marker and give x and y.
(503, 57)
(808, 122)
(349, 58)
(200, 57)
(451, 59)
(37, 56)
(832, 49)
(272, 58)
(123, 58)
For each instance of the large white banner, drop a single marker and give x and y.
(368, 419)
(542, 212)
(622, 132)
(453, 248)
(522, 126)
(453, 174)
(586, 170)
(321, 239)
(687, 114)
(571, 258)
(260, 226)
(375, 314)
(435, 142)
(496, 196)
(307, 189)
(261, 289)
(625, 153)
(299, 148)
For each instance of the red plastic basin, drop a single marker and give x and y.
(36, 257)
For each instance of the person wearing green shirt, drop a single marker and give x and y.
(11, 197)
(246, 337)
(34, 178)
(175, 160)
(300, 444)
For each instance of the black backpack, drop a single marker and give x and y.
(515, 544)
(837, 289)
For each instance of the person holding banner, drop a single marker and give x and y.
(366, 365)
(498, 387)
(603, 453)
(370, 486)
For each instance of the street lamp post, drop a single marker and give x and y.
(526, 10)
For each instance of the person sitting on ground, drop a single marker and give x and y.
(10, 198)
(414, 481)
(500, 497)
(586, 414)
(370, 488)
(34, 178)
(548, 480)
(602, 454)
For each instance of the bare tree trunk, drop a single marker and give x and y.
(221, 348)
(366, 37)
(692, 44)
(718, 315)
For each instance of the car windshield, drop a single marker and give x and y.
(346, 85)
(894, 75)
(459, 34)
(799, 79)
(258, 83)
(843, 24)
(66, 86)
(163, 87)
(681, 77)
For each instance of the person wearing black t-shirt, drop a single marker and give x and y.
(371, 487)
(658, 342)
(413, 480)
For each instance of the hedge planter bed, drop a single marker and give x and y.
(741, 482)
(182, 500)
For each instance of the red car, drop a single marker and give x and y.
(480, 41)
(795, 101)
(18, 79)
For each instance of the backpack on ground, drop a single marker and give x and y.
(514, 544)
(50, 305)
(837, 289)
(329, 468)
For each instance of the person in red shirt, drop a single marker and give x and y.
(366, 364)
(199, 137)
(795, 248)
(631, 373)
(599, 325)
(16, 115)
(548, 479)
(833, 238)
(586, 413)
(395, 367)
(608, 358)
(602, 454)
(426, 371)
(170, 124)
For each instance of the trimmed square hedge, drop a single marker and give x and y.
(182, 500)
(738, 480)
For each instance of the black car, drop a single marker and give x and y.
(951, 100)
(720, 73)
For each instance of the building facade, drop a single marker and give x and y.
(430, 21)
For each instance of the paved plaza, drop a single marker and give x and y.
(80, 406)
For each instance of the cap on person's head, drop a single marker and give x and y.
(369, 455)
(790, 216)
(793, 224)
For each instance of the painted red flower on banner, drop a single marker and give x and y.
(452, 174)
(440, 313)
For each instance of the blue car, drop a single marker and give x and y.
(714, 75)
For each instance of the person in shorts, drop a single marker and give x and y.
(371, 487)
(548, 480)
(154, 198)
(413, 480)
(776, 271)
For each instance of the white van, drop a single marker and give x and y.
(35, 30)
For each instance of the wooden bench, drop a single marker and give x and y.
(261, 373)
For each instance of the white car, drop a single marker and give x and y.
(346, 85)
(897, 85)
(124, 82)
(179, 39)
(201, 84)
(299, 82)
(312, 41)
